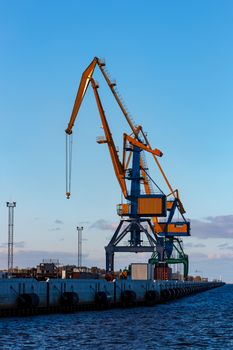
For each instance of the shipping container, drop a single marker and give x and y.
(141, 271)
(162, 272)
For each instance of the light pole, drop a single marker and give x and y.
(11, 207)
(80, 230)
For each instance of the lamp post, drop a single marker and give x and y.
(80, 230)
(11, 207)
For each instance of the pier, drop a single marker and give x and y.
(24, 297)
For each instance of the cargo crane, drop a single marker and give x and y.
(140, 215)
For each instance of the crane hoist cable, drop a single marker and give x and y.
(69, 146)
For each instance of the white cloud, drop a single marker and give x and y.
(225, 246)
(31, 258)
(213, 227)
(20, 244)
(102, 224)
(58, 222)
(195, 245)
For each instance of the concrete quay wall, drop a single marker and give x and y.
(58, 295)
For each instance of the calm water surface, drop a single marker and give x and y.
(202, 321)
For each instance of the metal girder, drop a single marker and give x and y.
(140, 249)
(181, 259)
(134, 246)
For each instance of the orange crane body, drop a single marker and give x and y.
(139, 140)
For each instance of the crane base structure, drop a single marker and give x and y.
(137, 229)
(181, 258)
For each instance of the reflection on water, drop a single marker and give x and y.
(202, 321)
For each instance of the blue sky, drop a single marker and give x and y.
(173, 65)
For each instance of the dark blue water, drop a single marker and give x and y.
(202, 321)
